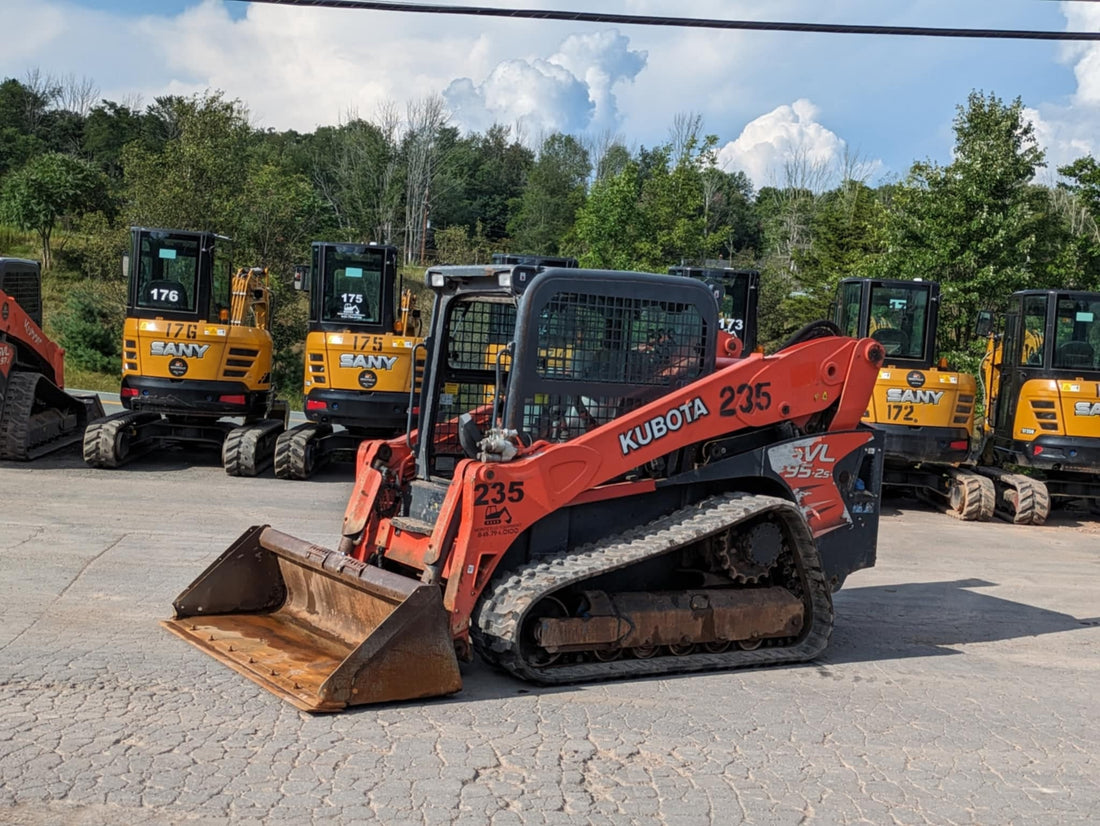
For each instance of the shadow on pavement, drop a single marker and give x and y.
(879, 623)
(924, 619)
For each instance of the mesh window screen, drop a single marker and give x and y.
(635, 348)
(479, 330)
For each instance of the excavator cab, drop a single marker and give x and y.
(196, 356)
(363, 353)
(1041, 376)
(737, 292)
(587, 495)
(925, 409)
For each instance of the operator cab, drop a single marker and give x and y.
(179, 275)
(552, 355)
(736, 292)
(22, 280)
(353, 287)
(900, 315)
(1053, 331)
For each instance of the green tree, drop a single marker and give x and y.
(195, 181)
(48, 188)
(107, 129)
(608, 226)
(554, 192)
(978, 225)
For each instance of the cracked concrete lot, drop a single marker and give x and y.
(960, 688)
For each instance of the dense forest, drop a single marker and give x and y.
(77, 171)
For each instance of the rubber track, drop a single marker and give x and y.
(290, 452)
(500, 613)
(1032, 498)
(979, 496)
(101, 438)
(244, 452)
(15, 416)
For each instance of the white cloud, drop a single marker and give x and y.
(786, 134)
(1071, 130)
(572, 91)
(540, 96)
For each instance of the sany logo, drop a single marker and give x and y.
(368, 362)
(179, 348)
(660, 426)
(914, 396)
(1086, 409)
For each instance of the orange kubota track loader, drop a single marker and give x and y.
(612, 497)
(36, 415)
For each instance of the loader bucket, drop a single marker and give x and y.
(318, 628)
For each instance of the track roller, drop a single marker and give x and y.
(519, 627)
(38, 417)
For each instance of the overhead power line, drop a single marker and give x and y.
(691, 22)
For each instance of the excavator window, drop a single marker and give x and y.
(168, 273)
(1034, 330)
(899, 315)
(849, 309)
(352, 286)
(1077, 334)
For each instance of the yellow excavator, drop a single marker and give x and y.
(1041, 385)
(196, 356)
(362, 356)
(925, 409)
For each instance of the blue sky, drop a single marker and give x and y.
(768, 96)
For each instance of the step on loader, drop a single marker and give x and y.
(1041, 381)
(924, 408)
(196, 357)
(37, 416)
(603, 497)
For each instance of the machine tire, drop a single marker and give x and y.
(1032, 503)
(237, 457)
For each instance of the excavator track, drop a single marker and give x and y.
(500, 615)
(250, 449)
(970, 497)
(37, 417)
(295, 456)
(113, 441)
(1020, 499)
